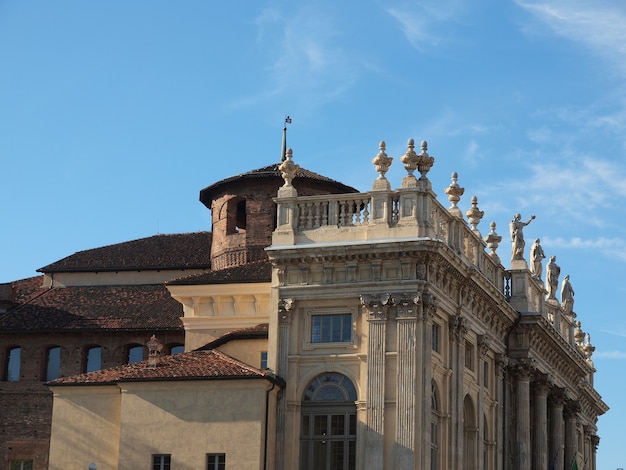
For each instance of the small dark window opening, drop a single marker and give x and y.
(241, 215)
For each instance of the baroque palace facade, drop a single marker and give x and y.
(333, 329)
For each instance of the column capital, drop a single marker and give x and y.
(458, 327)
(557, 395)
(406, 304)
(483, 345)
(285, 307)
(376, 305)
(523, 369)
(571, 409)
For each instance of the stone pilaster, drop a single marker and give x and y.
(571, 433)
(483, 348)
(501, 364)
(285, 307)
(406, 317)
(457, 365)
(540, 428)
(522, 417)
(429, 307)
(557, 444)
(375, 307)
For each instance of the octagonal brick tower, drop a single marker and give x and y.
(244, 213)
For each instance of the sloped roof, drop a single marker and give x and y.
(260, 331)
(133, 307)
(271, 172)
(260, 271)
(159, 252)
(193, 365)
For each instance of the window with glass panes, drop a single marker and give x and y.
(21, 465)
(331, 328)
(161, 461)
(216, 461)
(328, 424)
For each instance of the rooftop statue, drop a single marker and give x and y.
(536, 259)
(567, 296)
(517, 236)
(552, 277)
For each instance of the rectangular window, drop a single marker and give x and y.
(435, 337)
(53, 366)
(263, 360)
(469, 355)
(216, 461)
(486, 375)
(161, 461)
(12, 366)
(331, 328)
(21, 465)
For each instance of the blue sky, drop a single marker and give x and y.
(113, 115)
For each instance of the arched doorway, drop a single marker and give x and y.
(328, 424)
(469, 434)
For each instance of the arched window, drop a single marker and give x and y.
(177, 349)
(135, 354)
(469, 434)
(13, 363)
(435, 413)
(328, 426)
(53, 363)
(236, 215)
(93, 359)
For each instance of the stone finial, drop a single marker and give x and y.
(410, 160)
(154, 351)
(426, 161)
(493, 240)
(288, 168)
(382, 162)
(588, 348)
(454, 192)
(579, 335)
(474, 215)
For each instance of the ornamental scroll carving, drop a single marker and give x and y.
(406, 304)
(376, 305)
(458, 328)
(285, 307)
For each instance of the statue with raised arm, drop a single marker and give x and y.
(552, 277)
(536, 259)
(567, 296)
(517, 236)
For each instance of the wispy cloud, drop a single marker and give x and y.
(598, 25)
(419, 20)
(610, 354)
(304, 58)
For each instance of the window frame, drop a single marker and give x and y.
(309, 314)
(216, 461)
(13, 365)
(49, 363)
(164, 463)
(21, 463)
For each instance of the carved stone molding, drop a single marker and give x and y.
(406, 304)
(458, 328)
(376, 306)
(483, 345)
(285, 306)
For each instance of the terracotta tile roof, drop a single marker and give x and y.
(260, 331)
(268, 173)
(177, 251)
(260, 271)
(90, 308)
(193, 365)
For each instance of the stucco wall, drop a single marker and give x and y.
(190, 419)
(85, 427)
